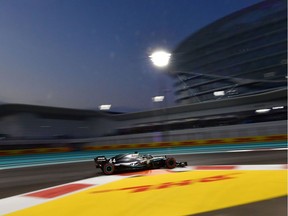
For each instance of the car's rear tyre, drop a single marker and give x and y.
(170, 163)
(108, 168)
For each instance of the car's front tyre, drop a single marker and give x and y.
(170, 163)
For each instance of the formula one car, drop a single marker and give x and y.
(135, 161)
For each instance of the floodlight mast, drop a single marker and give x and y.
(161, 59)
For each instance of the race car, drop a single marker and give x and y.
(135, 161)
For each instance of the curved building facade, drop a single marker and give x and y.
(240, 54)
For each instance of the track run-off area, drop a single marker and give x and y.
(231, 182)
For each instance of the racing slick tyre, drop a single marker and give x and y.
(108, 168)
(170, 163)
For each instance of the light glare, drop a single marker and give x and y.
(277, 107)
(105, 107)
(262, 110)
(219, 93)
(160, 58)
(158, 98)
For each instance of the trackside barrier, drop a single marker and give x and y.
(34, 151)
(188, 143)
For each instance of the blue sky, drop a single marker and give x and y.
(84, 53)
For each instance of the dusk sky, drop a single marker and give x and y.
(84, 53)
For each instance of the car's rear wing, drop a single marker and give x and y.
(100, 159)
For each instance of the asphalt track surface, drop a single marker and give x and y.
(21, 180)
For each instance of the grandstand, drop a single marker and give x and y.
(243, 53)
